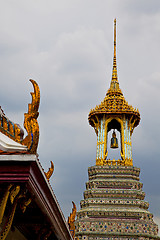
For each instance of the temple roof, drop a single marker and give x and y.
(27, 196)
(43, 214)
(12, 135)
(114, 102)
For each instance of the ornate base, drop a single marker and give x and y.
(114, 206)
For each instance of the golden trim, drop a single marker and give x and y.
(25, 204)
(100, 142)
(14, 193)
(4, 202)
(14, 196)
(114, 162)
(99, 162)
(5, 230)
(10, 129)
(128, 143)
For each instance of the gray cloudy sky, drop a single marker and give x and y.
(67, 47)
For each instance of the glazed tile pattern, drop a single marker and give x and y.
(114, 206)
(139, 203)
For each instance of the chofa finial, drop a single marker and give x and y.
(30, 120)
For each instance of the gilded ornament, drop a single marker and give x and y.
(24, 204)
(14, 193)
(10, 129)
(50, 171)
(4, 200)
(71, 220)
(15, 196)
(30, 120)
(6, 228)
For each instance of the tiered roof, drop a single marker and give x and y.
(114, 102)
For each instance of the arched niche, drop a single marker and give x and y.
(114, 123)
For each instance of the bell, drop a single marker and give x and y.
(114, 140)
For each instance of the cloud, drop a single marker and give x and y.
(67, 46)
(143, 7)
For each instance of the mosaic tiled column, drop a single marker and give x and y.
(114, 206)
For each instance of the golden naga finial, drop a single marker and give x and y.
(71, 220)
(50, 171)
(30, 120)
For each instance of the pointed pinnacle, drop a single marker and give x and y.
(114, 82)
(114, 72)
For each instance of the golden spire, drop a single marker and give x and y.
(114, 82)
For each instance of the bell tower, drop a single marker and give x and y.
(114, 206)
(114, 112)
